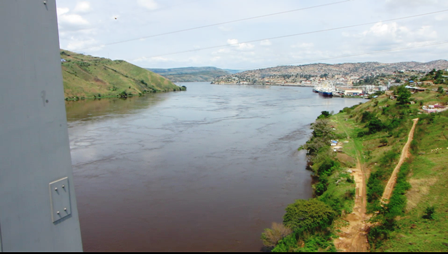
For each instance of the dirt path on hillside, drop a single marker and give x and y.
(404, 154)
(353, 237)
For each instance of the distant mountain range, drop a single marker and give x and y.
(192, 74)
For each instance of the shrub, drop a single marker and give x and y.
(375, 125)
(429, 213)
(350, 179)
(366, 116)
(310, 215)
(287, 244)
(332, 201)
(350, 194)
(271, 236)
(123, 94)
(324, 114)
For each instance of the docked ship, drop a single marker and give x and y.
(325, 89)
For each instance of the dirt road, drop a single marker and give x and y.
(353, 238)
(393, 178)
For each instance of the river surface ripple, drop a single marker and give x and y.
(203, 170)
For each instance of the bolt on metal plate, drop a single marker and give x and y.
(60, 199)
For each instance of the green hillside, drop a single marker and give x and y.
(379, 129)
(89, 77)
(371, 138)
(191, 74)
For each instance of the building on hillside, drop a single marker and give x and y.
(382, 88)
(392, 85)
(352, 92)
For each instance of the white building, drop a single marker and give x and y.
(352, 92)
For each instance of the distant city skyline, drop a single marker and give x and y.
(122, 30)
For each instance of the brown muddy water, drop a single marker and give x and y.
(203, 170)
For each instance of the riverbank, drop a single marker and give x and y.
(122, 95)
(373, 135)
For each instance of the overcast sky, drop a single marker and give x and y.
(125, 29)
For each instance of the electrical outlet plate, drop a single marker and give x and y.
(60, 199)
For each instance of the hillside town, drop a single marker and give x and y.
(368, 77)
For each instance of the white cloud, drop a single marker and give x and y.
(303, 45)
(62, 11)
(244, 46)
(74, 19)
(148, 4)
(84, 44)
(69, 21)
(441, 17)
(225, 28)
(82, 7)
(240, 46)
(411, 3)
(266, 43)
(392, 30)
(427, 32)
(232, 41)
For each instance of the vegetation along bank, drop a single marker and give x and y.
(94, 77)
(353, 155)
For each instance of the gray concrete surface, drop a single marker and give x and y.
(34, 144)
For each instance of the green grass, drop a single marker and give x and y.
(338, 188)
(429, 180)
(428, 167)
(88, 76)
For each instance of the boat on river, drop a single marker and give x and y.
(325, 89)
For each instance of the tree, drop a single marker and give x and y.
(271, 236)
(308, 215)
(322, 135)
(404, 95)
(324, 114)
(439, 74)
(440, 89)
(375, 125)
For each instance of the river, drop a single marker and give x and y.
(203, 170)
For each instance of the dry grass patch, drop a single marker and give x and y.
(346, 160)
(420, 188)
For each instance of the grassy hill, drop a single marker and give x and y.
(374, 133)
(88, 77)
(424, 176)
(191, 74)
